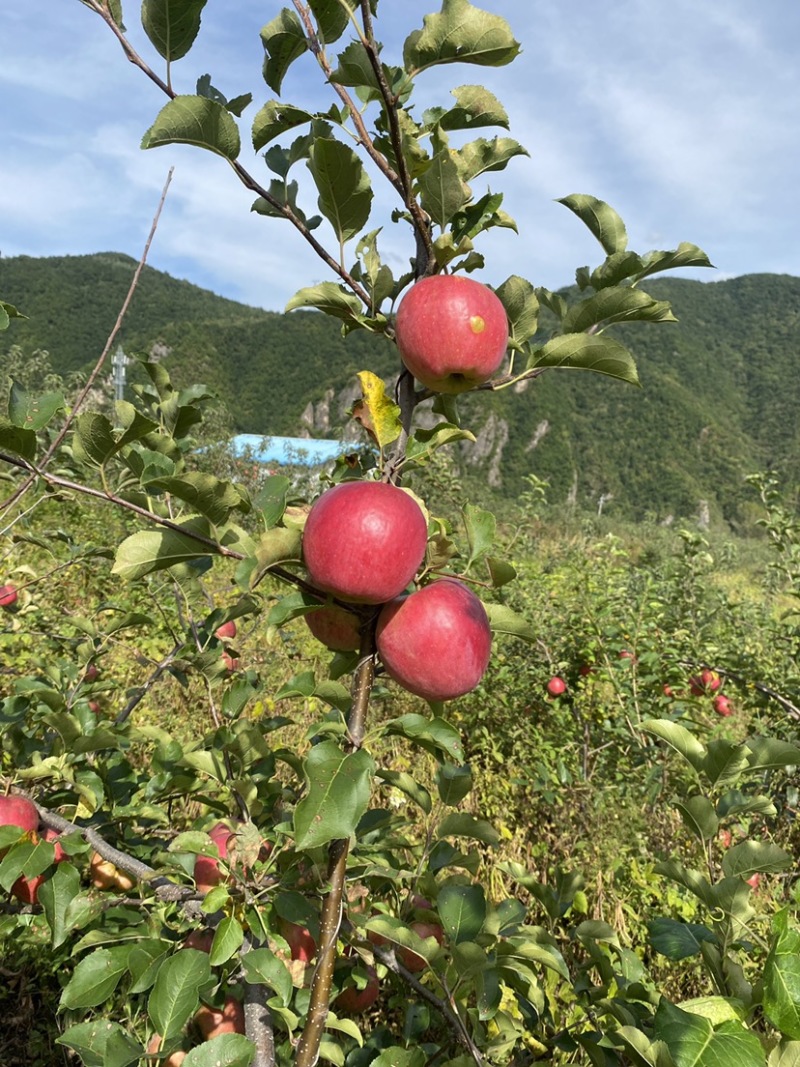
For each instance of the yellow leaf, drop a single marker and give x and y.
(377, 412)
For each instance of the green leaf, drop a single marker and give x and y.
(172, 25)
(442, 192)
(95, 978)
(204, 493)
(274, 119)
(424, 442)
(504, 620)
(345, 195)
(435, 735)
(616, 305)
(500, 571)
(724, 762)
(518, 297)
(580, 351)
(338, 794)
(752, 856)
(55, 896)
(693, 1041)
(615, 269)
(453, 783)
(198, 121)
(228, 939)
(227, 1050)
(14, 439)
(699, 817)
(332, 17)
(355, 69)
(781, 1001)
(278, 545)
(463, 911)
(481, 527)
(406, 784)
(91, 1040)
(475, 106)
(678, 940)
(691, 880)
(94, 438)
(7, 313)
(154, 550)
(602, 220)
(284, 41)
(460, 824)
(32, 412)
(478, 157)
(175, 995)
(329, 297)
(685, 255)
(262, 967)
(677, 737)
(768, 753)
(461, 33)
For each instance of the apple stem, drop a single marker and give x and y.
(331, 917)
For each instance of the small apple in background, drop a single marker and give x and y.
(335, 627)
(226, 632)
(175, 1059)
(211, 1022)
(206, 869)
(722, 705)
(586, 669)
(627, 654)
(364, 541)
(354, 1000)
(411, 960)
(725, 838)
(452, 332)
(435, 642)
(91, 673)
(302, 945)
(705, 682)
(669, 692)
(27, 889)
(201, 940)
(8, 596)
(95, 707)
(105, 875)
(754, 880)
(556, 686)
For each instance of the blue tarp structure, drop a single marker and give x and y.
(301, 451)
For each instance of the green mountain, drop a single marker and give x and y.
(719, 390)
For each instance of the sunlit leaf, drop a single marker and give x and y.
(172, 25)
(284, 41)
(591, 352)
(197, 121)
(338, 794)
(602, 220)
(460, 33)
(781, 978)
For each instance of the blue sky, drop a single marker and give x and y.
(684, 116)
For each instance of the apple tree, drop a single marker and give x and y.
(233, 897)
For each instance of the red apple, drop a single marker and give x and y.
(211, 1022)
(354, 1000)
(8, 596)
(175, 1059)
(227, 631)
(301, 943)
(669, 691)
(754, 880)
(364, 541)
(586, 669)
(705, 682)
(27, 889)
(411, 960)
(627, 654)
(435, 642)
(206, 868)
(18, 811)
(91, 673)
(105, 875)
(722, 705)
(556, 686)
(230, 663)
(452, 332)
(201, 940)
(725, 838)
(335, 627)
(95, 707)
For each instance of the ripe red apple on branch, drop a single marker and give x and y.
(206, 868)
(8, 596)
(229, 1019)
(411, 960)
(104, 874)
(18, 811)
(300, 940)
(452, 332)
(706, 681)
(722, 705)
(227, 631)
(435, 642)
(364, 541)
(354, 1000)
(27, 889)
(556, 686)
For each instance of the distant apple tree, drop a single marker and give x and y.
(226, 898)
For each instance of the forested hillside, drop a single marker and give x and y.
(710, 409)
